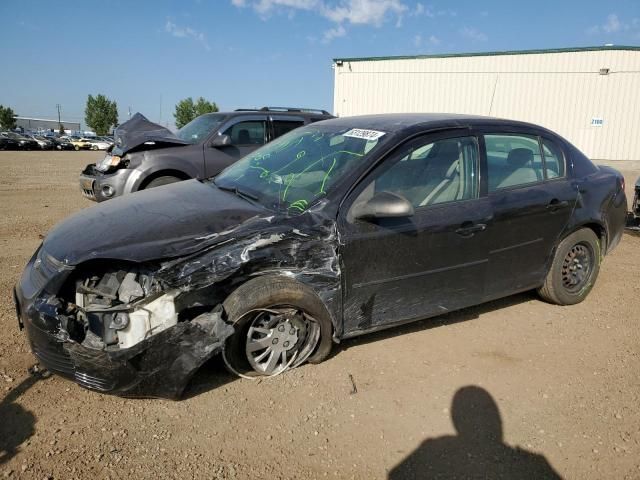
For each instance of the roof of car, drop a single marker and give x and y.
(395, 122)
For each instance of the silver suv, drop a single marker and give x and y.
(147, 155)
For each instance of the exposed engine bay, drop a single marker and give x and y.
(119, 309)
(122, 308)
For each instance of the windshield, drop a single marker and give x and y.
(200, 128)
(300, 167)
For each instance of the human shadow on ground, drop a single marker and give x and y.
(477, 451)
(16, 423)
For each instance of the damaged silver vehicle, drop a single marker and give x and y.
(335, 229)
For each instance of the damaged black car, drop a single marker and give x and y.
(336, 229)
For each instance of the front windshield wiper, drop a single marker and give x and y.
(240, 193)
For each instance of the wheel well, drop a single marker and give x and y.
(163, 173)
(600, 232)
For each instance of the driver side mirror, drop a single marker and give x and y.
(221, 140)
(383, 205)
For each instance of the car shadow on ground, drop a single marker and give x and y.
(477, 451)
(16, 423)
(213, 373)
(451, 318)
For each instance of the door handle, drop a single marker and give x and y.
(468, 229)
(556, 204)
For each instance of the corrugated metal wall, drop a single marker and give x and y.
(562, 91)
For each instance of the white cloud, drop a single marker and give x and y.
(186, 32)
(339, 12)
(613, 25)
(432, 41)
(473, 34)
(335, 32)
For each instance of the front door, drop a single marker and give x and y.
(400, 269)
(246, 136)
(532, 201)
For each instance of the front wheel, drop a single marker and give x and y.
(279, 324)
(574, 269)
(165, 180)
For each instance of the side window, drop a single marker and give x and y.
(247, 133)
(513, 160)
(280, 127)
(432, 173)
(553, 159)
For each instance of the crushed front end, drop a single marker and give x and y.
(115, 328)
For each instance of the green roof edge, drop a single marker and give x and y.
(489, 54)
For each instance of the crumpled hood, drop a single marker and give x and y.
(139, 130)
(164, 222)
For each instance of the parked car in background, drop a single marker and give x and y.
(62, 143)
(146, 155)
(270, 261)
(43, 142)
(80, 143)
(98, 143)
(633, 218)
(24, 143)
(8, 143)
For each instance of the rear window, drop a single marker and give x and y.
(513, 160)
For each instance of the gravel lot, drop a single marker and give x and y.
(565, 381)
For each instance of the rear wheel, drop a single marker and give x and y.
(164, 180)
(574, 269)
(76, 147)
(279, 325)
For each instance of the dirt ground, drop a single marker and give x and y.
(564, 380)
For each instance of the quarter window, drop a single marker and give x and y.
(432, 173)
(553, 159)
(281, 127)
(513, 160)
(247, 133)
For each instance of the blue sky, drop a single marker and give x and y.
(247, 53)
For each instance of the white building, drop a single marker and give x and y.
(591, 95)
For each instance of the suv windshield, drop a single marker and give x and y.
(299, 167)
(200, 128)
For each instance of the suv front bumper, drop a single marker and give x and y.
(98, 186)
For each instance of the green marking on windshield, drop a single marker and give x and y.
(326, 176)
(299, 205)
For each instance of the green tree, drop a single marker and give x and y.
(187, 110)
(100, 114)
(7, 118)
(61, 130)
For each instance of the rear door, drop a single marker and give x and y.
(399, 269)
(247, 133)
(532, 200)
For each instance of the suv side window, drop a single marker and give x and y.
(432, 173)
(251, 132)
(513, 160)
(553, 159)
(280, 127)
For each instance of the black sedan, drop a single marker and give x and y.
(336, 229)
(62, 143)
(24, 143)
(8, 143)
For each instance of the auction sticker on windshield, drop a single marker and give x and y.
(365, 134)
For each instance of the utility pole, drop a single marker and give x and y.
(58, 107)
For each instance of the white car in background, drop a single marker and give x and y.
(98, 143)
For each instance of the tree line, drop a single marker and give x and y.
(101, 113)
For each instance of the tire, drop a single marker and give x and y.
(261, 297)
(567, 283)
(76, 148)
(165, 180)
(94, 147)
